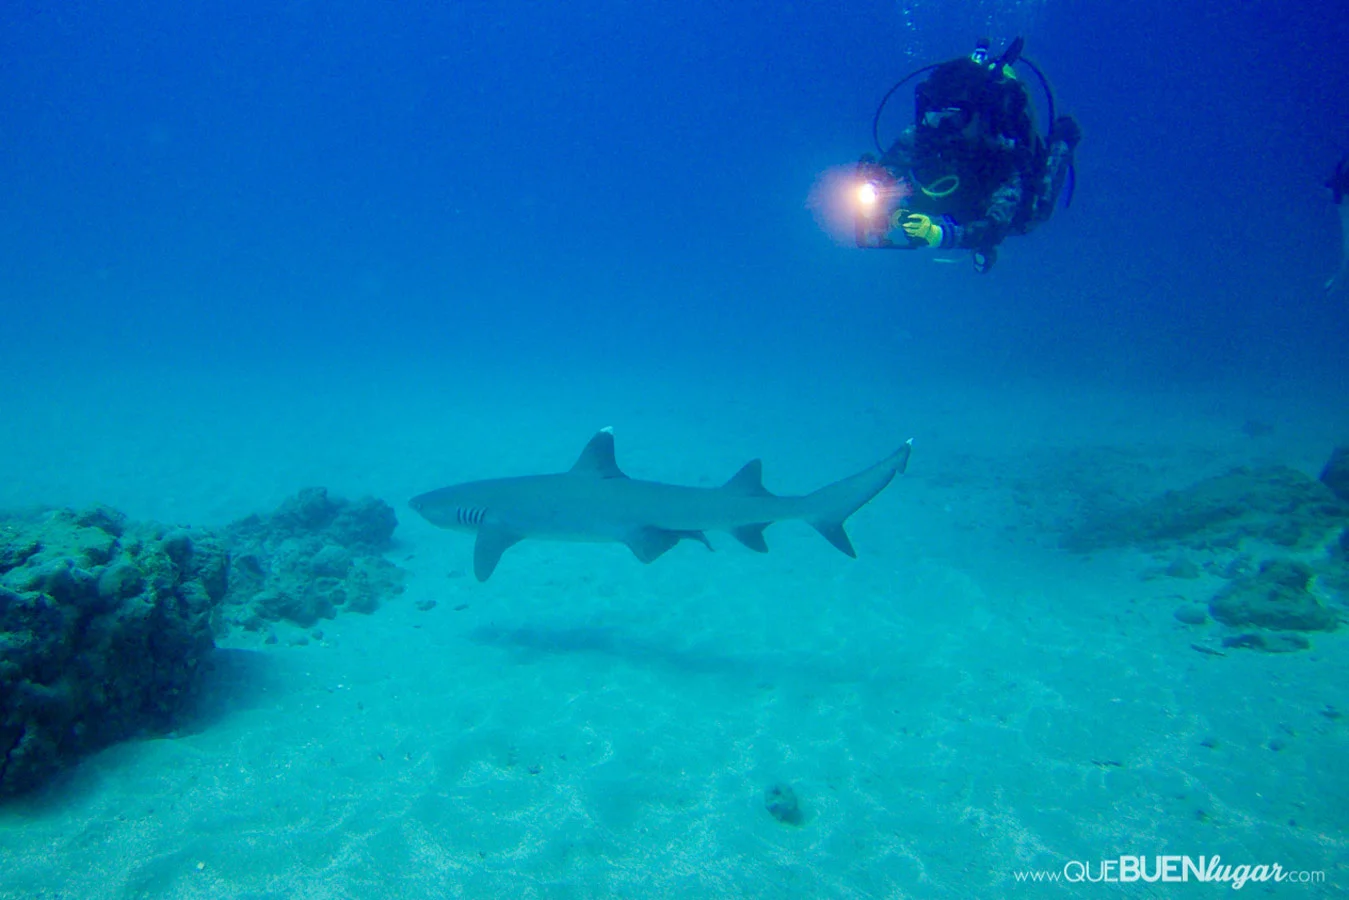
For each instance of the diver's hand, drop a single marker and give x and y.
(917, 225)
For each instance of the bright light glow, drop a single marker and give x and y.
(840, 195)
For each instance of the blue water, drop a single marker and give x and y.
(225, 184)
(384, 247)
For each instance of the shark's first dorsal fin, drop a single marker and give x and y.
(597, 459)
(748, 482)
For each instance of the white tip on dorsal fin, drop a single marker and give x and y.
(597, 459)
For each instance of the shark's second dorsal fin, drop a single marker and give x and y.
(748, 482)
(597, 459)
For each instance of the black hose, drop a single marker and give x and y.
(1011, 55)
(876, 120)
(1044, 85)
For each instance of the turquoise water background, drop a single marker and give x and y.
(245, 249)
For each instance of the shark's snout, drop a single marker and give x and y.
(443, 509)
(422, 506)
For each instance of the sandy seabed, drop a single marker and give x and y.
(964, 702)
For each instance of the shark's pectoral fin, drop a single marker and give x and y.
(648, 544)
(493, 540)
(833, 533)
(752, 536)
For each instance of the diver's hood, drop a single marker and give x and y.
(965, 86)
(960, 83)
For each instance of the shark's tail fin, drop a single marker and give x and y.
(829, 507)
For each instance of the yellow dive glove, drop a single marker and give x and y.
(917, 225)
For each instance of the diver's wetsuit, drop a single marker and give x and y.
(1004, 188)
(988, 204)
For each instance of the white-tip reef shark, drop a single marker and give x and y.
(595, 502)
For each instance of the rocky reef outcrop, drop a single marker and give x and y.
(311, 557)
(1274, 504)
(104, 625)
(1279, 597)
(1278, 537)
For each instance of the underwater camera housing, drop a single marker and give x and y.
(877, 196)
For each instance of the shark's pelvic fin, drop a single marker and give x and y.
(597, 459)
(748, 482)
(752, 536)
(493, 540)
(649, 543)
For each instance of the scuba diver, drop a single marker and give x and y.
(972, 169)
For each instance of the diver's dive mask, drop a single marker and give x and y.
(947, 119)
